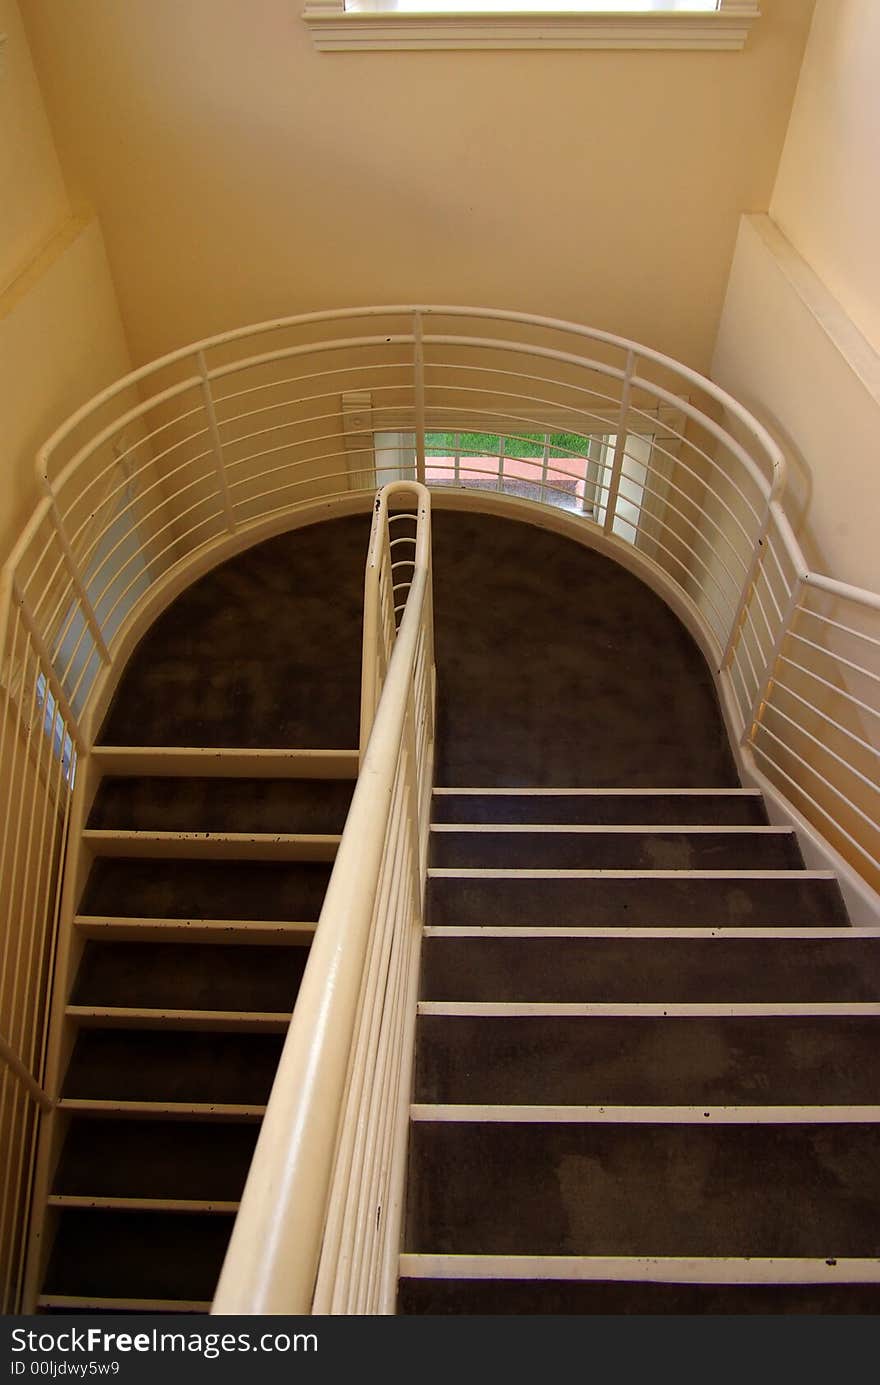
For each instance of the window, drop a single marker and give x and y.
(363, 25)
(570, 471)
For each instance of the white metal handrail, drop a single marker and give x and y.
(216, 445)
(323, 1199)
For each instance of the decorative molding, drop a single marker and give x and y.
(379, 29)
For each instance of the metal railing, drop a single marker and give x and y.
(221, 443)
(319, 1224)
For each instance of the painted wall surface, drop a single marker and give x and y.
(33, 199)
(61, 338)
(800, 332)
(827, 194)
(61, 341)
(776, 353)
(240, 175)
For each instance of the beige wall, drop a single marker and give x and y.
(61, 338)
(827, 194)
(240, 175)
(800, 331)
(33, 203)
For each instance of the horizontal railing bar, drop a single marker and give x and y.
(823, 780)
(771, 707)
(838, 692)
(860, 595)
(818, 711)
(833, 654)
(847, 629)
(813, 802)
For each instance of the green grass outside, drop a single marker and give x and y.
(522, 445)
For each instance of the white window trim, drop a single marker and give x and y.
(335, 30)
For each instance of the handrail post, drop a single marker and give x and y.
(419, 372)
(24, 1075)
(216, 444)
(76, 578)
(745, 596)
(760, 698)
(620, 444)
(48, 668)
(412, 796)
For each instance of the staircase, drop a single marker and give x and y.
(646, 1063)
(205, 874)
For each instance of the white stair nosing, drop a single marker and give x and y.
(669, 1269)
(513, 1009)
(160, 845)
(133, 1305)
(141, 1204)
(475, 1114)
(612, 829)
(100, 923)
(152, 1017)
(843, 931)
(600, 793)
(197, 1110)
(527, 873)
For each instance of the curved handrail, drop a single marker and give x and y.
(756, 429)
(276, 1246)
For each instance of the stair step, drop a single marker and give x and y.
(116, 1107)
(555, 847)
(644, 1190)
(676, 968)
(532, 1060)
(266, 890)
(93, 1303)
(608, 1114)
(142, 1204)
(213, 1021)
(222, 805)
(224, 762)
(207, 1161)
(597, 806)
(189, 976)
(137, 1255)
(420, 1294)
(637, 899)
(212, 846)
(226, 932)
(168, 1065)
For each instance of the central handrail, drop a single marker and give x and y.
(329, 1163)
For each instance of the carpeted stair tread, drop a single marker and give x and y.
(110, 1254)
(622, 1061)
(616, 851)
(765, 1190)
(564, 669)
(146, 804)
(190, 976)
(677, 810)
(676, 969)
(173, 1065)
(136, 887)
(462, 1297)
(264, 651)
(203, 1160)
(632, 903)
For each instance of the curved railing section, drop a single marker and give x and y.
(223, 442)
(318, 1229)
